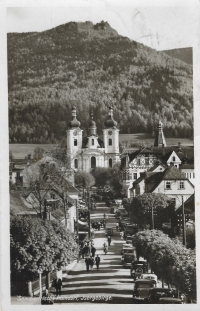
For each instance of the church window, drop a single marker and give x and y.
(110, 142)
(75, 142)
(110, 162)
(93, 162)
(92, 142)
(75, 163)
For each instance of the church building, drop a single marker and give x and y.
(90, 152)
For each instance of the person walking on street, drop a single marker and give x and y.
(58, 285)
(97, 260)
(87, 262)
(109, 240)
(91, 262)
(104, 215)
(93, 250)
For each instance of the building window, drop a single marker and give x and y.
(110, 142)
(93, 162)
(190, 175)
(173, 159)
(75, 163)
(138, 161)
(75, 142)
(110, 162)
(147, 161)
(18, 174)
(134, 175)
(193, 175)
(92, 142)
(181, 185)
(161, 169)
(168, 185)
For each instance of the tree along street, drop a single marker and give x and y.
(112, 283)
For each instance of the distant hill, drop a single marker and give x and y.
(184, 54)
(86, 65)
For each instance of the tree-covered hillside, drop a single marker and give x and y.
(88, 65)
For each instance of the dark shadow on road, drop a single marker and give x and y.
(94, 277)
(91, 290)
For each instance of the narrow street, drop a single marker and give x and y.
(112, 283)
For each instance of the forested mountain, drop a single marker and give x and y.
(184, 54)
(88, 65)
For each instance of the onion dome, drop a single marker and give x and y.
(74, 122)
(110, 122)
(92, 127)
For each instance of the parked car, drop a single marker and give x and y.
(168, 300)
(147, 276)
(141, 290)
(129, 250)
(129, 239)
(128, 258)
(130, 229)
(138, 267)
(156, 293)
(126, 246)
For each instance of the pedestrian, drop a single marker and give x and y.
(91, 262)
(97, 260)
(99, 225)
(93, 251)
(58, 286)
(117, 226)
(109, 240)
(104, 215)
(87, 262)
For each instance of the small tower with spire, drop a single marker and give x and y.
(74, 139)
(111, 139)
(160, 138)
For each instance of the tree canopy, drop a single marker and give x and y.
(36, 243)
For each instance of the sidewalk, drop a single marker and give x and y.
(25, 300)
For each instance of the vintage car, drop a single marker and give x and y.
(141, 290)
(126, 246)
(147, 276)
(128, 258)
(130, 230)
(109, 230)
(169, 300)
(156, 294)
(138, 267)
(128, 250)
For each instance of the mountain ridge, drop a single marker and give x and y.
(76, 64)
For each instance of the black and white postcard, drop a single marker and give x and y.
(100, 154)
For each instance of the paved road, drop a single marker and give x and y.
(112, 283)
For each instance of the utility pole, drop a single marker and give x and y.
(77, 226)
(183, 219)
(152, 218)
(89, 209)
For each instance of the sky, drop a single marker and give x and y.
(159, 26)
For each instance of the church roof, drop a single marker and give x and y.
(85, 142)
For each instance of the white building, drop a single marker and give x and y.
(90, 152)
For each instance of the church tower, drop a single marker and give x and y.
(92, 135)
(160, 138)
(111, 139)
(74, 141)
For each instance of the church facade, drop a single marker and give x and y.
(89, 152)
